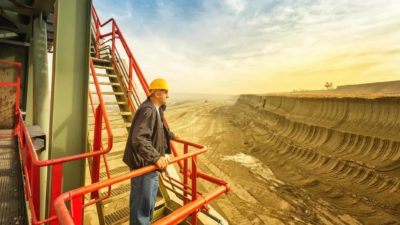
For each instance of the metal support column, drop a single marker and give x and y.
(68, 128)
(40, 84)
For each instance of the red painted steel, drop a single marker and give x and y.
(182, 213)
(32, 165)
(59, 212)
(68, 218)
(96, 147)
(56, 189)
(198, 202)
(117, 36)
(185, 178)
(194, 188)
(17, 85)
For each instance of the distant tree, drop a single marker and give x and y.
(328, 85)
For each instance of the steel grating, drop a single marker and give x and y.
(117, 170)
(118, 216)
(12, 199)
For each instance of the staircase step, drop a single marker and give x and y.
(122, 215)
(101, 60)
(103, 67)
(125, 125)
(114, 125)
(121, 113)
(115, 153)
(115, 171)
(106, 75)
(121, 190)
(106, 83)
(104, 48)
(112, 116)
(159, 212)
(118, 139)
(115, 114)
(117, 217)
(109, 93)
(115, 103)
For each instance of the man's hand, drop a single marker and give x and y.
(162, 162)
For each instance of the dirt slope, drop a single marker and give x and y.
(300, 160)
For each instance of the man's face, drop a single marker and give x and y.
(162, 96)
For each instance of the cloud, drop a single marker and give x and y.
(238, 46)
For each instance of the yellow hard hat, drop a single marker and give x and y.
(159, 84)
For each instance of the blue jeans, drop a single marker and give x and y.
(143, 198)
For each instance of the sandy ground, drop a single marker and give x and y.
(252, 199)
(266, 189)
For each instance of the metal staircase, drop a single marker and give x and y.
(114, 98)
(113, 69)
(115, 209)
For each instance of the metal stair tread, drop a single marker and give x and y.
(106, 75)
(116, 138)
(107, 83)
(122, 215)
(109, 93)
(103, 67)
(115, 129)
(116, 103)
(115, 153)
(101, 60)
(117, 216)
(115, 192)
(119, 113)
(115, 171)
(119, 125)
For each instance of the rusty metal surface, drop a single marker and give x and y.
(7, 97)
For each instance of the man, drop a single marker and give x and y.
(147, 144)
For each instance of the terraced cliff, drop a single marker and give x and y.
(342, 154)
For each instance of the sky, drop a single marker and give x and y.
(260, 46)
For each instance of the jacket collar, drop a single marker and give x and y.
(162, 107)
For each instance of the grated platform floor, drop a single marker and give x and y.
(12, 200)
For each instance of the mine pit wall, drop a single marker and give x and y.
(351, 144)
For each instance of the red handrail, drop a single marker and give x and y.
(97, 142)
(117, 36)
(17, 85)
(75, 196)
(32, 164)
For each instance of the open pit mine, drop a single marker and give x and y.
(301, 158)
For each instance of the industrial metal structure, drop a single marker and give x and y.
(69, 87)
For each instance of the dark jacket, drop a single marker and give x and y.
(148, 138)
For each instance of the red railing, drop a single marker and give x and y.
(116, 41)
(15, 84)
(97, 140)
(58, 212)
(31, 164)
(197, 202)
